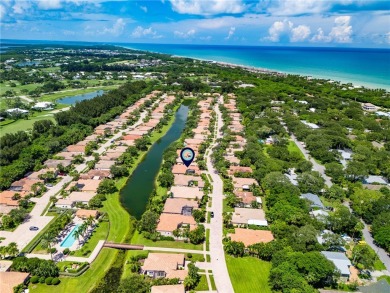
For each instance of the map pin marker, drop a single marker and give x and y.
(187, 155)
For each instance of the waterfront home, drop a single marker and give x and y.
(88, 184)
(186, 192)
(180, 206)
(9, 280)
(249, 237)
(165, 265)
(179, 288)
(242, 216)
(188, 180)
(168, 223)
(117, 149)
(182, 169)
(131, 137)
(110, 156)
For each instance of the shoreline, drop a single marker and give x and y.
(355, 84)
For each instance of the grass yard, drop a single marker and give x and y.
(99, 233)
(292, 147)
(256, 281)
(141, 240)
(212, 281)
(378, 265)
(202, 285)
(23, 124)
(126, 268)
(226, 208)
(387, 278)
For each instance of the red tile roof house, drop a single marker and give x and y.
(125, 143)
(165, 265)
(131, 137)
(193, 141)
(246, 198)
(200, 130)
(233, 160)
(24, 184)
(243, 184)
(180, 206)
(9, 280)
(168, 223)
(186, 192)
(200, 137)
(88, 184)
(110, 156)
(52, 164)
(96, 174)
(104, 165)
(249, 237)
(152, 122)
(6, 197)
(182, 169)
(75, 149)
(168, 289)
(188, 180)
(66, 155)
(239, 169)
(117, 149)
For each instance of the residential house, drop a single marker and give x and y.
(239, 169)
(85, 214)
(179, 288)
(249, 237)
(188, 180)
(73, 198)
(24, 184)
(181, 206)
(88, 184)
(9, 280)
(315, 201)
(182, 169)
(53, 164)
(170, 222)
(340, 260)
(379, 180)
(104, 165)
(186, 192)
(96, 174)
(246, 198)
(369, 107)
(243, 184)
(5, 265)
(242, 216)
(79, 149)
(165, 265)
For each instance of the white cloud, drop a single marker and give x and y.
(321, 37)
(300, 33)
(3, 12)
(185, 35)
(209, 7)
(286, 29)
(21, 7)
(116, 29)
(208, 38)
(387, 38)
(140, 32)
(49, 4)
(231, 32)
(144, 8)
(342, 31)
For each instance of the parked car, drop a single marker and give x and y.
(212, 214)
(34, 228)
(49, 185)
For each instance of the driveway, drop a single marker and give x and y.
(218, 263)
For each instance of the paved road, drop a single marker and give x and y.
(218, 263)
(383, 256)
(22, 234)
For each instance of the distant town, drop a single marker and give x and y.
(288, 190)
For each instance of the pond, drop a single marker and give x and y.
(71, 100)
(135, 195)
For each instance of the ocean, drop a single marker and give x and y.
(361, 67)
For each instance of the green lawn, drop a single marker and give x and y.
(139, 239)
(126, 268)
(23, 124)
(248, 274)
(213, 287)
(226, 208)
(292, 147)
(387, 278)
(99, 233)
(379, 266)
(202, 285)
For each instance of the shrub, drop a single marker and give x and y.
(48, 280)
(66, 251)
(189, 255)
(34, 279)
(42, 280)
(55, 281)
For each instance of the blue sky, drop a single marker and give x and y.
(356, 23)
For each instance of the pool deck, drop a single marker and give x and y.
(60, 257)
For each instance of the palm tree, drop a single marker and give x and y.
(77, 234)
(12, 249)
(46, 243)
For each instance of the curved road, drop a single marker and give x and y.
(218, 263)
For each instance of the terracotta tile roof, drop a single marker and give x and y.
(186, 192)
(245, 197)
(167, 262)
(175, 205)
(240, 169)
(182, 169)
(24, 184)
(54, 163)
(89, 184)
(240, 182)
(131, 137)
(8, 280)
(168, 289)
(76, 148)
(183, 180)
(249, 237)
(84, 214)
(104, 165)
(170, 222)
(95, 173)
(249, 216)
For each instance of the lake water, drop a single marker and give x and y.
(135, 195)
(71, 100)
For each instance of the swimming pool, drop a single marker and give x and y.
(70, 239)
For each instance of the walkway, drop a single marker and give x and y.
(123, 246)
(218, 263)
(178, 250)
